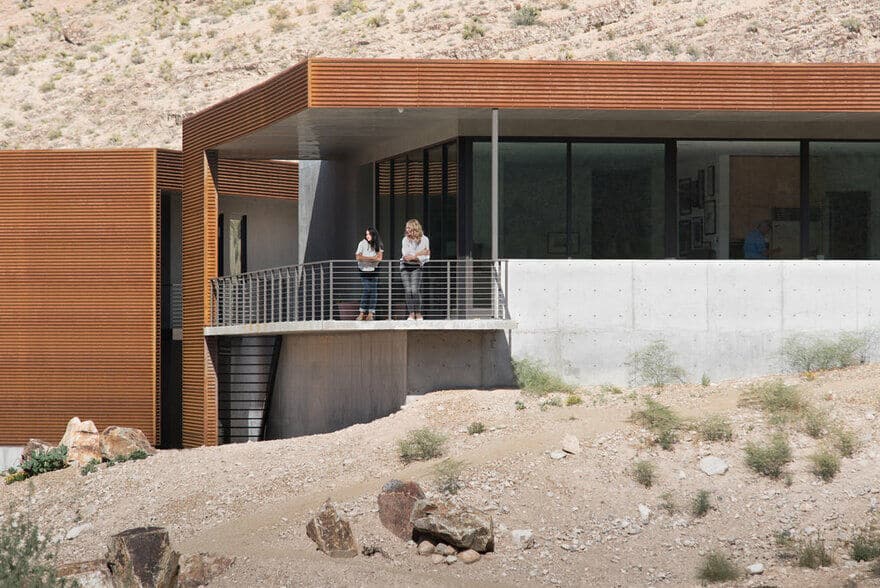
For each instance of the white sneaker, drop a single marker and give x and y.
(420, 318)
(410, 318)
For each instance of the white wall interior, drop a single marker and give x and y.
(272, 230)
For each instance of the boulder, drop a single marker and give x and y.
(199, 569)
(75, 425)
(143, 558)
(84, 447)
(459, 526)
(570, 444)
(123, 441)
(331, 533)
(469, 556)
(425, 548)
(713, 466)
(86, 574)
(396, 502)
(523, 538)
(755, 569)
(34, 446)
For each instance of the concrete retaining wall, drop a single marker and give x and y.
(722, 318)
(9, 456)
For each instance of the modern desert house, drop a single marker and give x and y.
(576, 211)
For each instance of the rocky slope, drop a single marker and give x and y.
(110, 73)
(591, 521)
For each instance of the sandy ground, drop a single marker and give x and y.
(122, 73)
(252, 501)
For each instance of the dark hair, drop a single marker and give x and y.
(375, 240)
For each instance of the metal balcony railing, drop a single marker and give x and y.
(331, 290)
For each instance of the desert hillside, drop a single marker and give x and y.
(111, 73)
(596, 514)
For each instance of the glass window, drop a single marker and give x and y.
(844, 200)
(618, 196)
(738, 199)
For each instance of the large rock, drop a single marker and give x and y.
(86, 574)
(459, 526)
(143, 558)
(396, 504)
(713, 466)
(123, 441)
(332, 533)
(75, 425)
(82, 441)
(199, 569)
(34, 446)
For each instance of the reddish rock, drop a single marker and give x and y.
(199, 569)
(331, 533)
(395, 506)
(84, 447)
(460, 526)
(123, 441)
(143, 558)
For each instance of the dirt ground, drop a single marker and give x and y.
(252, 501)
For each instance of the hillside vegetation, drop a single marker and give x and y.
(123, 73)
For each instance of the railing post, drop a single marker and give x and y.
(313, 292)
(331, 290)
(390, 265)
(448, 288)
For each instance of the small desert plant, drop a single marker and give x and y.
(533, 377)
(826, 464)
(519, 405)
(701, 21)
(845, 441)
(447, 474)
(815, 423)
(26, 555)
(781, 401)
(672, 48)
(525, 16)
(47, 86)
(694, 52)
(421, 445)
(715, 428)
(813, 555)
(768, 459)
(667, 503)
(573, 399)
(701, 504)
(644, 473)
(90, 467)
(610, 389)
(644, 48)
(475, 428)
(472, 30)
(865, 546)
(705, 381)
(42, 462)
(660, 420)
(546, 403)
(377, 21)
(654, 365)
(348, 7)
(279, 15)
(806, 354)
(852, 24)
(716, 567)
(166, 71)
(197, 56)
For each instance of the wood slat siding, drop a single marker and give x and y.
(352, 83)
(262, 179)
(79, 278)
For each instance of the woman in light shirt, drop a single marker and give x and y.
(415, 251)
(368, 255)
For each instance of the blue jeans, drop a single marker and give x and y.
(412, 281)
(370, 283)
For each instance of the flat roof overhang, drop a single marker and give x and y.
(362, 109)
(329, 327)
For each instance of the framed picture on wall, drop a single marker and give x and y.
(710, 218)
(684, 236)
(697, 233)
(710, 181)
(684, 196)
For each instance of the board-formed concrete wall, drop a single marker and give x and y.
(723, 318)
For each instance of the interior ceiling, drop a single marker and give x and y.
(350, 133)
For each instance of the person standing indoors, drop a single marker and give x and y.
(368, 255)
(415, 252)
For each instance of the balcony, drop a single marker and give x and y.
(325, 296)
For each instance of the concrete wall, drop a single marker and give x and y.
(9, 456)
(723, 318)
(272, 227)
(442, 360)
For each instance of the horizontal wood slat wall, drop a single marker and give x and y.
(262, 179)
(79, 275)
(392, 83)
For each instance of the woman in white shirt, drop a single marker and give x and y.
(415, 251)
(368, 255)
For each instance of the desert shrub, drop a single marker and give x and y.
(447, 475)
(644, 473)
(654, 365)
(279, 15)
(715, 428)
(610, 389)
(476, 427)
(133, 456)
(813, 555)
(716, 567)
(668, 503)
(845, 441)
(769, 458)
(377, 21)
(660, 420)
(672, 48)
(348, 7)
(806, 354)
(781, 401)
(852, 24)
(90, 467)
(644, 47)
(815, 423)
(705, 381)
(573, 399)
(421, 445)
(546, 403)
(47, 86)
(826, 464)
(14, 476)
(519, 405)
(525, 16)
(42, 462)
(166, 71)
(666, 439)
(472, 30)
(26, 555)
(701, 21)
(865, 546)
(197, 56)
(533, 377)
(701, 504)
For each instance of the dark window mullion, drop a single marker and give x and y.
(805, 198)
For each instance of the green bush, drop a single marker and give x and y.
(705, 381)
(533, 377)
(701, 504)
(716, 567)
(852, 24)
(573, 400)
(26, 556)
(826, 464)
(42, 462)
(781, 401)
(805, 353)
(447, 475)
(845, 441)
(660, 420)
(519, 405)
(715, 428)
(525, 16)
(813, 555)
(90, 467)
(421, 445)
(654, 365)
(667, 503)
(472, 30)
(545, 403)
(815, 423)
(610, 389)
(769, 458)
(644, 473)
(348, 7)
(865, 547)
(475, 428)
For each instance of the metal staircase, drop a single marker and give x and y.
(246, 377)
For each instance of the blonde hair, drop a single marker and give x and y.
(416, 226)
